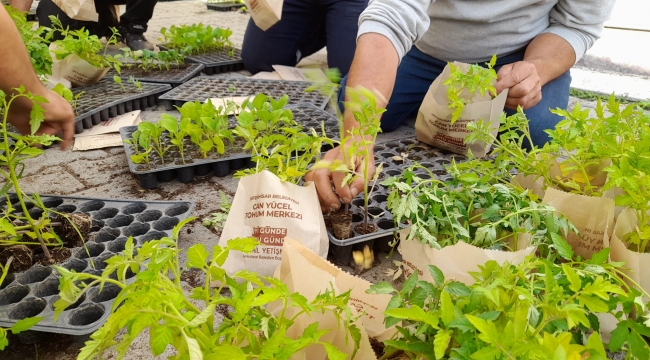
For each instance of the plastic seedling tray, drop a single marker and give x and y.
(31, 16)
(202, 88)
(236, 159)
(216, 62)
(33, 292)
(229, 6)
(106, 99)
(390, 154)
(174, 76)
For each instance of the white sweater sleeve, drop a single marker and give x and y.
(580, 22)
(403, 22)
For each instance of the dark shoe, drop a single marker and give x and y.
(137, 42)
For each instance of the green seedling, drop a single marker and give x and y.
(488, 216)
(217, 220)
(477, 80)
(197, 39)
(534, 310)
(86, 46)
(118, 80)
(68, 95)
(185, 320)
(36, 41)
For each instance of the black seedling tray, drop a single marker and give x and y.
(33, 292)
(305, 114)
(173, 77)
(31, 16)
(390, 154)
(202, 88)
(216, 62)
(106, 99)
(224, 6)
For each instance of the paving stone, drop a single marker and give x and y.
(55, 156)
(59, 182)
(99, 172)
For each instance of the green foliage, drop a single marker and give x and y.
(156, 302)
(84, 45)
(570, 161)
(463, 86)
(197, 39)
(279, 144)
(218, 219)
(358, 142)
(534, 310)
(68, 95)
(17, 226)
(148, 60)
(36, 41)
(489, 216)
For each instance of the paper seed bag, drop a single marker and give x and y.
(301, 275)
(75, 70)
(83, 10)
(271, 210)
(456, 261)
(637, 263)
(433, 125)
(592, 216)
(265, 13)
(297, 260)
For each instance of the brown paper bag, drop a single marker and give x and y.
(265, 13)
(304, 272)
(296, 258)
(270, 210)
(592, 216)
(433, 125)
(75, 70)
(638, 264)
(83, 10)
(456, 261)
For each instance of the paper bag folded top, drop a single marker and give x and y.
(270, 210)
(433, 125)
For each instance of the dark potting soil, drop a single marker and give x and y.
(377, 347)
(341, 224)
(68, 233)
(58, 255)
(137, 72)
(22, 257)
(364, 229)
(25, 256)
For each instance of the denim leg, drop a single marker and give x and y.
(299, 33)
(555, 94)
(341, 31)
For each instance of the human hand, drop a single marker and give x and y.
(59, 117)
(524, 83)
(323, 178)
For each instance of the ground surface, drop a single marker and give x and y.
(105, 174)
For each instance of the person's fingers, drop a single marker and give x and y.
(523, 88)
(322, 178)
(68, 131)
(343, 190)
(529, 100)
(516, 73)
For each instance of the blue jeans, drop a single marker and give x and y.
(306, 26)
(418, 70)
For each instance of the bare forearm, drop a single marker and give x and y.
(374, 67)
(22, 5)
(14, 61)
(551, 55)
